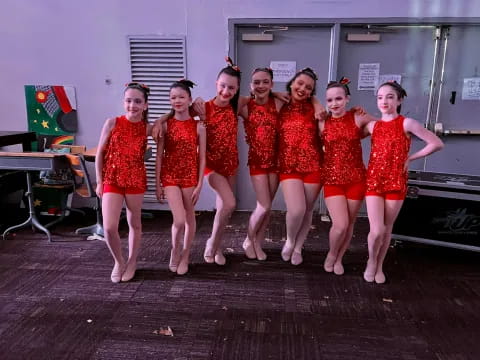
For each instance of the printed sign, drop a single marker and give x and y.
(471, 89)
(283, 71)
(368, 76)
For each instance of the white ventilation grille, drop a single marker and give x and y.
(156, 61)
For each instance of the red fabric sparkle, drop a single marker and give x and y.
(343, 162)
(389, 152)
(221, 124)
(261, 134)
(180, 159)
(124, 158)
(299, 145)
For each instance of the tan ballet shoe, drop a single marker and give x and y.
(116, 275)
(174, 260)
(182, 268)
(208, 254)
(260, 253)
(369, 274)
(297, 258)
(286, 252)
(380, 277)
(249, 249)
(220, 258)
(338, 269)
(129, 272)
(329, 263)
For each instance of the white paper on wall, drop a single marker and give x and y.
(283, 71)
(471, 89)
(368, 76)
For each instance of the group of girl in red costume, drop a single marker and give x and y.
(292, 141)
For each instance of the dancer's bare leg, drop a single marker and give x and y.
(134, 218)
(225, 203)
(190, 228)
(294, 196)
(265, 186)
(392, 209)
(311, 192)
(353, 208)
(376, 219)
(175, 202)
(112, 204)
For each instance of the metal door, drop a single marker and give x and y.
(403, 50)
(308, 46)
(400, 50)
(458, 110)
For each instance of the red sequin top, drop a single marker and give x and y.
(389, 152)
(123, 164)
(343, 163)
(180, 158)
(261, 134)
(299, 143)
(221, 125)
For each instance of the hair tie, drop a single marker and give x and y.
(230, 63)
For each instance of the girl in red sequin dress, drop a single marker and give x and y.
(180, 164)
(343, 170)
(260, 114)
(299, 160)
(387, 172)
(222, 154)
(121, 176)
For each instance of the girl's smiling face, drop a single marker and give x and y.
(227, 87)
(134, 103)
(261, 84)
(302, 87)
(337, 101)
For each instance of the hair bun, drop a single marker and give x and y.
(230, 63)
(310, 72)
(188, 83)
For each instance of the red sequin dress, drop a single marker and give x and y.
(221, 126)
(343, 163)
(299, 143)
(389, 152)
(261, 134)
(180, 159)
(123, 164)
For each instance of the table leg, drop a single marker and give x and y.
(32, 219)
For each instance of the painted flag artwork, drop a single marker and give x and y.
(52, 114)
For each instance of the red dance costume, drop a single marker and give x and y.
(389, 152)
(180, 159)
(261, 135)
(221, 125)
(299, 146)
(124, 158)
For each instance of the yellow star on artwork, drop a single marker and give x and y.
(35, 121)
(37, 202)
(45, 124)
(38, 111)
